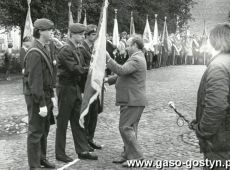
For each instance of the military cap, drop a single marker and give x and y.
(77, 28)
(91, 29)
(43, 24)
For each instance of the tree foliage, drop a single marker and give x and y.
(13, 12)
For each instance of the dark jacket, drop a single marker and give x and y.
(86, 52)
(131, 80)
(38, 80)
(213, 112)
(69, 65)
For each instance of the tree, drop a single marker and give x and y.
(13, 12)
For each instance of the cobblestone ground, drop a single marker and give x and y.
(159, 135)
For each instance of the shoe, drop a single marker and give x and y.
(120, 161)
(65, 158)
(91, 149)
(47, 164)
(94, 145)
(87, 155)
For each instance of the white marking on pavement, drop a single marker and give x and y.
(69, 164)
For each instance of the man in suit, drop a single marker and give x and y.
(91, 117)
(69, 74)
(38, 91)
(130, 96)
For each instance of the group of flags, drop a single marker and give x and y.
(94, 84)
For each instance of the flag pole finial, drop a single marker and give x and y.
(115, 11)
(156, 16)
(69, 4)
(147, 16)
(165, 18)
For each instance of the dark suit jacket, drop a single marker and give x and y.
(131, 80)
(38, 80)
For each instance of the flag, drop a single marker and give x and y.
(177, 38)
(132, 26)
(79, 11)
(116, 39)
(165, 37)
(70, 14)
(85, 20)
(155, 33)
(28, 30)
(204, 44)
(94, 83)
(147, 35)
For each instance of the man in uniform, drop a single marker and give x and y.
(69, 73)
(91, 118)
(38, 91)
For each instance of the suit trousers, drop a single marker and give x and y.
(38, 130)
(91, 119)
(217, 156)
(69, 105)
(128, 126)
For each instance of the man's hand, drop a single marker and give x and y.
(43, 111)
(192, 125)
(108, 58)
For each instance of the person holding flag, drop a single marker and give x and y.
(69, 73)
(91, 117)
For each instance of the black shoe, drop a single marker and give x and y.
(91, 149)
(94, 145)
(47, 164)
(65, 158)
(87, 155)
(122, 160)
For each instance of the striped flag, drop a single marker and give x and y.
(70, 14)
(28, 30)
(94, 83)
(116, 39)
(132, 26)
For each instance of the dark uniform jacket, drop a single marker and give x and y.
(38, 80)
(86, 52)
(69, 65)
(213, 112)
(131, 81)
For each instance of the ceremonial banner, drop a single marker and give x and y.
(165, 39)
(85, 20)
(70, 14)
(116, 39)
(155, 33)
(147, 35)
(28, 30)
(94, 83)
(132, 26)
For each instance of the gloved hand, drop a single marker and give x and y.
(54, 101)
(43, 111)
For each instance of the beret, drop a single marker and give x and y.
(43, 24)
(91, 29)
(77, 28)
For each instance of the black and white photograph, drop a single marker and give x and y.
(114, 84)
